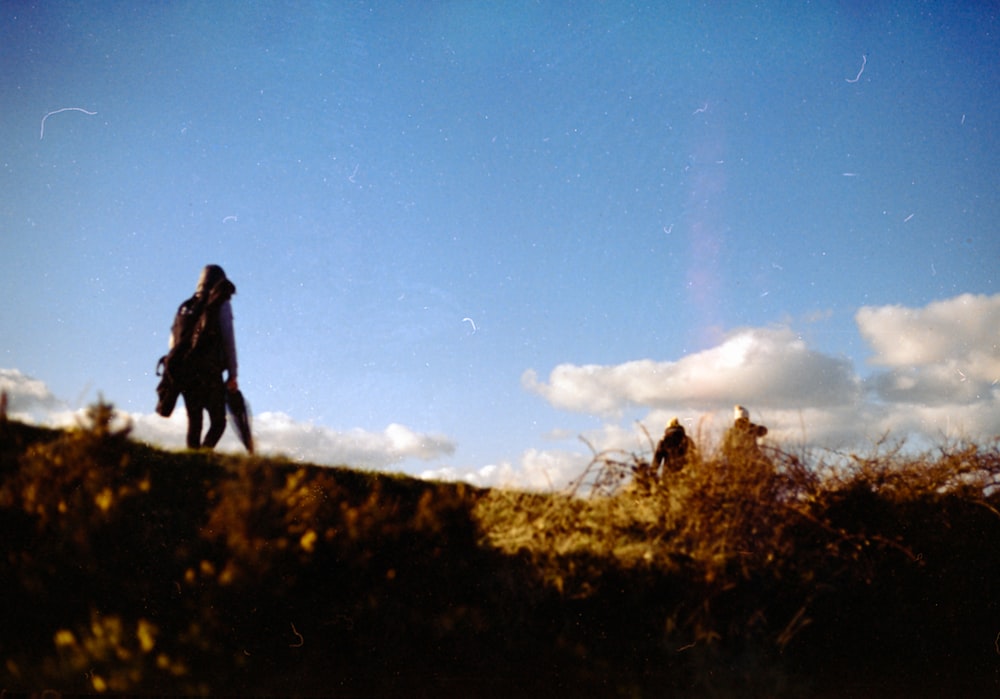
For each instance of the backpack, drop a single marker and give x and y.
(196, 352)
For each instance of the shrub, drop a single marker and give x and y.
(765, 551)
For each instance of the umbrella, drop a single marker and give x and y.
(240, 414)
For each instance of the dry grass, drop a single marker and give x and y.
(129, 569)
(711, 513)
(769, 550)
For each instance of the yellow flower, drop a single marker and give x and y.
(104, 499)
(65, 637)
(99, 684)
(146, 633)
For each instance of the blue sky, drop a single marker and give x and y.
(642, 210)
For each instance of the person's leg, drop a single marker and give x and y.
(216, 405)
(194, 405)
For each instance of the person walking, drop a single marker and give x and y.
(672, 451)
(740, 441)
(204, 326)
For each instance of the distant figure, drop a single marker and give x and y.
(203, 330)
(3, 407)
(740, 442)
(672, 451)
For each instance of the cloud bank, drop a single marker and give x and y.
(935, 375)
(358, 448)
(535, 469)
(29, 399)
(768, 367)
(941, 364)
(274, 433)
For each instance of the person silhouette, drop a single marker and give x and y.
(204, 389)
(672, 451)
(740, 441)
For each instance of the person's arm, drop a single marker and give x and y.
(658, 457)
(229, 343)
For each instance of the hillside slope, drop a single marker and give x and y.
(130, 569)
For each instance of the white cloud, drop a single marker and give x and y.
(274, 433)
(943, 356)
(932, 423)
(942, 380)
(763, 366)
(966, 327)
(28, 399)
(548, 469)
(543, 470)
(167, 432)
(279, 433)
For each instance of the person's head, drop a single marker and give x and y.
(741, 413)
(210, 276)
(674, 422)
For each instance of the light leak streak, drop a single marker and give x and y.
(471, 322)
(864, 62)
(41, 133)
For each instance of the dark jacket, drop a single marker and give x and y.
(672, 450)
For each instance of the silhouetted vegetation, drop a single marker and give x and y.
(130, 569)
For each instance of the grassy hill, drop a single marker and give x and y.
(128, 569)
